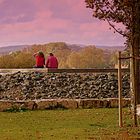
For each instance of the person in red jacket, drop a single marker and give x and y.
(40, 60)
(52, 61)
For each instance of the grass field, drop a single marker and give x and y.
(80, 124)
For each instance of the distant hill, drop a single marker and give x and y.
(8, 49)
(77, 47)
(112, 48)
(74, 47)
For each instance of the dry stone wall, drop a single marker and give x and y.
(36, 90)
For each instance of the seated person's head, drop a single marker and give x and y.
(51, 54)
(40, 53)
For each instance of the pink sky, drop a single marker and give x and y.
(44, 21)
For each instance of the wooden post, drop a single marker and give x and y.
(120, 89)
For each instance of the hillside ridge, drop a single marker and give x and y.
(76, 47)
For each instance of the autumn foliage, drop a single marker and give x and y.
(86, 57)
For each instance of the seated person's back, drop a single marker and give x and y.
(52, 61)
(40, 60)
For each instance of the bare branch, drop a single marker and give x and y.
(120, 32)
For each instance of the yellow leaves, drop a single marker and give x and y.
(68, 56)
(88, 57)
(17, 60)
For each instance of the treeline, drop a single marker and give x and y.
(68, 57)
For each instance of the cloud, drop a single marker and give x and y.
(17, 11)
(35, 21)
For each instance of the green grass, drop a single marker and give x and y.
(80, 124)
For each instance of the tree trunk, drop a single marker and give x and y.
(136, 45)
(134, 62)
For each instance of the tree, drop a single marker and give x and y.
(126, 12)
(92, 57)
(5, 63)
(74, 60)
(87, 57)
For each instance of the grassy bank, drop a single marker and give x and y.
(80, 124)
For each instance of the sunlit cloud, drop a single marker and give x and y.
(42, 21)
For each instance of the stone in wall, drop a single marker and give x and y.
(46, 104)
(4, 105)
(68, 104)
